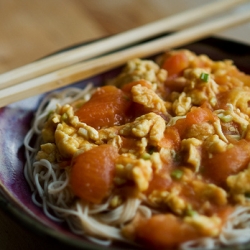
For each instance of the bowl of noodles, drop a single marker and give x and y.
(151, 155)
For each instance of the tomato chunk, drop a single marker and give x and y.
(107, 107)
(234, 73)
(171, 138)
(160, 182)
(176, 63)
(233, 160)
(165, 231)
(92, 173)
(197, 115)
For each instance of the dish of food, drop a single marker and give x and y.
(150, 151)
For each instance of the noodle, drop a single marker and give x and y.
(50, 183)
(163, 154)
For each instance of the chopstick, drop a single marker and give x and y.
(99, 65)
(59, 61)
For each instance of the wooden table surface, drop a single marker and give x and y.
(31, 29)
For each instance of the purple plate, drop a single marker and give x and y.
(15, 120)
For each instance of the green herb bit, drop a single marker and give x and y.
(230, 145)
(50, 113)
(247, 195)
(225, 118)
(64, 116)
(177, 174)
(190, 211)
(204, 77)
(145, 156)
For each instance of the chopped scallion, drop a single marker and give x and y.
(146, 156)
(177, 174)
(204, 77)
(225, 118)
(49, 113)
(64, 116)
(190, 212)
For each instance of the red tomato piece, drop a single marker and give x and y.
(197, 115)
(92, 173)
(107, 107)
(233, 160)
(171, 138)
(165, 232)
(176, 63)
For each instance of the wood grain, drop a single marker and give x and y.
(31, 29)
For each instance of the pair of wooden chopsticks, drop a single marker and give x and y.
(75, 65)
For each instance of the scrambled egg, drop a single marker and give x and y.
(68, 134)
(239, 186)
(191, 148)
(137, 170)
(182, 105)
(150, 125)
(148, 98)
(208, 226)
(138, 69)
